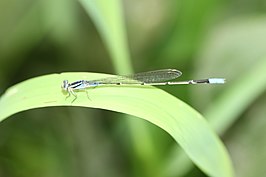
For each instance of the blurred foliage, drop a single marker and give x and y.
(201, 38)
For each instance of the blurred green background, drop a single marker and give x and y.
(203, 38)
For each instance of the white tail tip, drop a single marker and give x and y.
(216, 80)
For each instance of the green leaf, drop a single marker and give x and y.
(109, 21)
(108, 18)
(183, 123)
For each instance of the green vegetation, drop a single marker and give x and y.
(40, 39)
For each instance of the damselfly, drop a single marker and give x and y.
(157, 77)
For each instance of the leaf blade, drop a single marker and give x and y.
(181, 121)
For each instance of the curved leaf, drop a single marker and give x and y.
(182, 122)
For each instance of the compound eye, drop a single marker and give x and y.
(64, 85)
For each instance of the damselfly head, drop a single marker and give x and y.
(64, 85)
